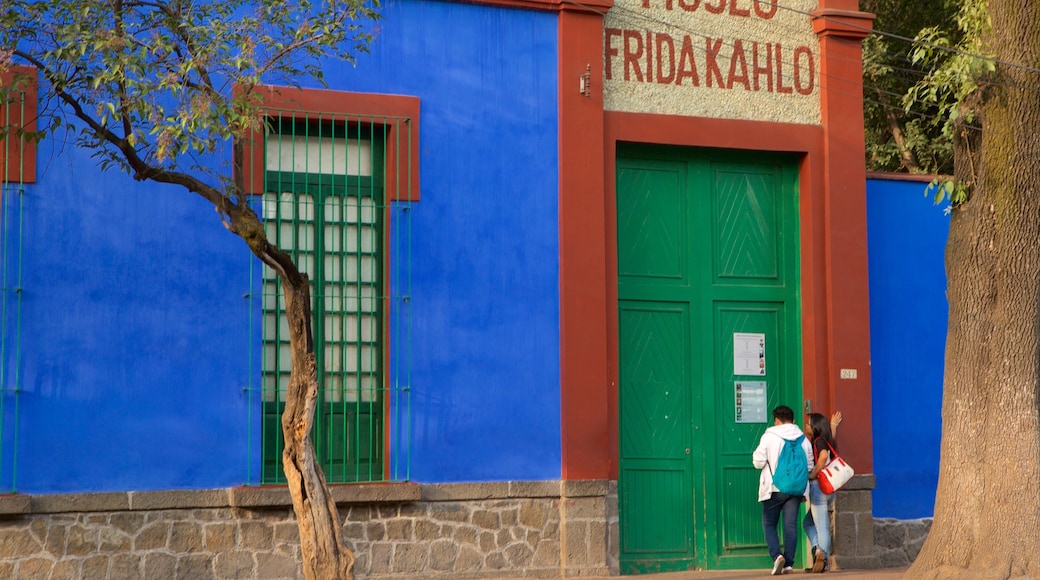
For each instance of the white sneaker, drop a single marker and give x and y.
(788, 569)
(778, 565)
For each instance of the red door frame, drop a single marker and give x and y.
(835, 315)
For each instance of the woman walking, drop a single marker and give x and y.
(817, 520)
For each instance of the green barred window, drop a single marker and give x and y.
(325, 203)
(17, 170)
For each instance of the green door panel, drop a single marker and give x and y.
(652, 219)
(707, 247)
(656, 468)
(746, 224)
(739, 542)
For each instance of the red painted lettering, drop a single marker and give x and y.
(780, 88)
(711, 63)
(612, 33)
(649, 57)
(738, 67)
(667, 4)
(658, 57)
(663, 42)
(633, 54)
(765, 9)
(807, 88)
(687, 64)
(734, 11)
(715, 9)
(762, 69)
(764, 14)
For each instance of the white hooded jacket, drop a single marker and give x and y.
(768, 450)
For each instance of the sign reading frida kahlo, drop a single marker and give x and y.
(733, 59)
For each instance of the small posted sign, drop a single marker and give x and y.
(749, 354)
(750, 401)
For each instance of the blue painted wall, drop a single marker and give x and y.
(135, 338)
(487, 381)
(906, 235)
(485, 277)
(134, 335)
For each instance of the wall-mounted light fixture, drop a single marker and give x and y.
(585, 86)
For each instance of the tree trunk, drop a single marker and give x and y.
(325, 557)
(987, 509)
(906, 155)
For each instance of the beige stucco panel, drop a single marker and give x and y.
(787, 87)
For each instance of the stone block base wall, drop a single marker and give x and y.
(898, 542)
(853, 525)
(401, 531)
(553, 529)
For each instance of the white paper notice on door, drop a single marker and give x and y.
(749, 354)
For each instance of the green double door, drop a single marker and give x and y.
(709, 343)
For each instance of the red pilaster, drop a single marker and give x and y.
(841, 28)
(588, 405)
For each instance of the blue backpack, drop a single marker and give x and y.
(792, 468)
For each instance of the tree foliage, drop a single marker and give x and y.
(166, 91)
(904, 135)
(957, 69)
(166, 80)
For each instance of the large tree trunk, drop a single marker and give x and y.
(987, 508)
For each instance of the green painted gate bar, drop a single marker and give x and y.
(707, 247)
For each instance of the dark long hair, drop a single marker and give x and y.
(821, 429)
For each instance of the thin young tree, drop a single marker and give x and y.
(987, 509)
(158, 89)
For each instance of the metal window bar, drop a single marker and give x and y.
(401, 313)
(12, 201)
(326, 204)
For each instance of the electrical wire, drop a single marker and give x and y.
(632, 17)
(910, 73)
(914, 41)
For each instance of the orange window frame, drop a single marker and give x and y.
(399, 113)
(18, 155)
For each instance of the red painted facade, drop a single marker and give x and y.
(589, 411)
(835, 322)
(841, 29)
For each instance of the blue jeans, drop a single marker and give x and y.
(817, 522)
(786, 505)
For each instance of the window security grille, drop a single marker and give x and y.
(12, 198)
(326, 204)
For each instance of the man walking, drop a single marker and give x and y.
(785, 458)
